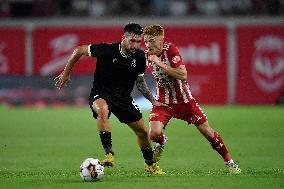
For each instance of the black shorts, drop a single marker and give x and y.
(124, 108)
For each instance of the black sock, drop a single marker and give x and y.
(148, 155)
(106, 141)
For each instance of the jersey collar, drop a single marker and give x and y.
(121, 52)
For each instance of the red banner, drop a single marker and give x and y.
(54, 45)
(12, 51)
(204, 51)
(260, 73)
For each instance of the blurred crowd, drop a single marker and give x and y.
(40, 91)
(113, 8)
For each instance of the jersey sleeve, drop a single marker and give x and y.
(174, 56)
(96, 50)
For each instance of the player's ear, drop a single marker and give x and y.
(122, 39)
(123, 36)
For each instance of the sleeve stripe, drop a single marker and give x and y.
(89, 50)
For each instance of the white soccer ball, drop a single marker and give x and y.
(91, 170)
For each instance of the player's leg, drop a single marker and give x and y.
(143, 140)
(156, 132)
(194, 114)
(159, 117)
(100, 107)
(215, 140)
(128, 112)
(218, 144)
(156, 135)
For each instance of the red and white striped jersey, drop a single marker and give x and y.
(169, 90)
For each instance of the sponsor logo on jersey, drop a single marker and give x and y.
(176, 59)
(96, 96)
(133, 63)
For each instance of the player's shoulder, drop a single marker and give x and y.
(168, 46)
(109, 45)
(114, 45)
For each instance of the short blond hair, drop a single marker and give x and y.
(154, 30)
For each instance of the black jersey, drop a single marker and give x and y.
(116, 72)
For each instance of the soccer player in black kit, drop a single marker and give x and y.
(119, 66)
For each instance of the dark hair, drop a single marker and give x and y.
(133, 28)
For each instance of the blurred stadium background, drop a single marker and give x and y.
(233, 49)
(234, 52)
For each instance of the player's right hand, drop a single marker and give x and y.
(61, 80)
(153, 58)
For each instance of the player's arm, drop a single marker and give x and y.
(179, 72)
(63, 78)
(144, 89)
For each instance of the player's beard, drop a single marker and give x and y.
(131, 51)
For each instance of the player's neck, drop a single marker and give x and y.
(123, 50)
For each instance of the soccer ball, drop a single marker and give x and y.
(91, 170)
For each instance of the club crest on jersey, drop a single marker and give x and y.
(176, 59)
(133, 63)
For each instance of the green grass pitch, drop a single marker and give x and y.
(43, 148)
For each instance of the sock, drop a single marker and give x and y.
(106, 141)
(218, 144)
(148, 155)
(160, 139)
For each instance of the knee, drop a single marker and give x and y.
(102, 111)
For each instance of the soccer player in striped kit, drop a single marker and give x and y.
(169, 71)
